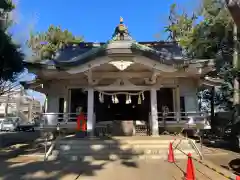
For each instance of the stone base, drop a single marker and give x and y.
(155, 135)
(81, 134)
(123, 128)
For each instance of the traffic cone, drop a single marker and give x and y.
(171, 158)
(237, 177)
(190, 174)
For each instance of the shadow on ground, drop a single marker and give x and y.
(219, 143)
(235, 165)
(9, 139)
(33, 168)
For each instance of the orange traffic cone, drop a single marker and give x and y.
(237, 177)
(171, 158)
(190, 174)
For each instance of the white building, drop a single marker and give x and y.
(16, 103)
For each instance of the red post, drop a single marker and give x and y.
(81, 122)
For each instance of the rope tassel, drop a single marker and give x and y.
(143, 96)
(128, 97)
(116, 99)
(113, 100)
(139, 99)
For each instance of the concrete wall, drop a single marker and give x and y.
(56, 91)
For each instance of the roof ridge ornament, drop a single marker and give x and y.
(121, 19)
(120, 30)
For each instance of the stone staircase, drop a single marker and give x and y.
(120, 148)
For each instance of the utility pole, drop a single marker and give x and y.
(236, 95)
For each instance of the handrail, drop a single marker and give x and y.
(63, 113)
(189, 141)
(194, 146)
(48, 152)
(61, 117)
(182, 115)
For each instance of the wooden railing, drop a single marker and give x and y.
(171, 119)
(186, 120)
(174, 116)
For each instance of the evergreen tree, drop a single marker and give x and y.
(211, 38)
(44, 45)
(11, 57)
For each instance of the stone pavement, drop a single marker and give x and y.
(31, 168)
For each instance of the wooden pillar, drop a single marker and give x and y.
(65, 103)
(154, 113)
(30, 107)
(46, 104)
(90, 111)
(178, 108)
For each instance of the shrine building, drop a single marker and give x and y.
(147, 85)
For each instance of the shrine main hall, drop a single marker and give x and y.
(147, 85)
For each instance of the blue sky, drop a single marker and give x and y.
(95, 20)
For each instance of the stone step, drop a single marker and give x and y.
(121, 148)
(118, 142)
(115, 146)
(115, 157)
(118, 151)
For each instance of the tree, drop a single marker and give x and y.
(234, 9)
(211, 38)
(46, 44)
(11, 57)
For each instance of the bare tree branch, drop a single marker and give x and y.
(7, 87)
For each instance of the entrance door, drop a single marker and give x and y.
(130, 113)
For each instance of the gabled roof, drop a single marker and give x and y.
(168, 53)
(164, 52)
